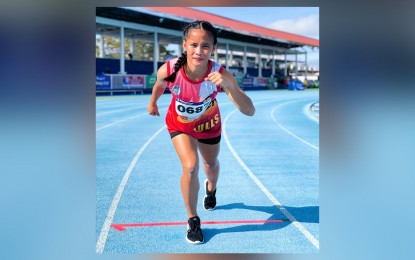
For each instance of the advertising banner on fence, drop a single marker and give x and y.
(103, 82)
(262, 82)
(133, 81)
(248, 82)
(151, 80)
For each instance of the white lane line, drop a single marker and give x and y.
(108, 220)
(128, 107)
(117, 110)
(125, 119)
(288, 131)
(119, 121)
(297, 224)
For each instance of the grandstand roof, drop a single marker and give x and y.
(235, 25)
(176, 18)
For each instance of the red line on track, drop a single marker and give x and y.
(122, 227)
(257, 134)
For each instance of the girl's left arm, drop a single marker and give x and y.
(234, 92)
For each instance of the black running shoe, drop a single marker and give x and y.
(210, 198)
(194, 232)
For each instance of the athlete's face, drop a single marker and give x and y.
(199, 46)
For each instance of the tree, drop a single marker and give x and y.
(143, 50)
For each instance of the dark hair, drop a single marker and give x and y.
(199, 24)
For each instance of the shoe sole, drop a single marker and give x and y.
(194, 242)
(206, 197)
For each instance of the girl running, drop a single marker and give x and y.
(193, 117)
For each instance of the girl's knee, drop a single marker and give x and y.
(212, 164)
(190, 168)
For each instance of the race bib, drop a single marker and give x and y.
(192, 110)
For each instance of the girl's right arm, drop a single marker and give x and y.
(158, 90)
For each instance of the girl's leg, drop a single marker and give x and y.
(186, 149)
(209, 153)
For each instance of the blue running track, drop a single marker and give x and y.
(267, 193)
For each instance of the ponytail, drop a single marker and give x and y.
(179, 63)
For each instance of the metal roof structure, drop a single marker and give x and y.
(230, 28)
(176, 18)
(166, 24)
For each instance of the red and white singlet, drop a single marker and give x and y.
(194, 109)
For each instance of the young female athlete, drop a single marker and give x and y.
(193, 119)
